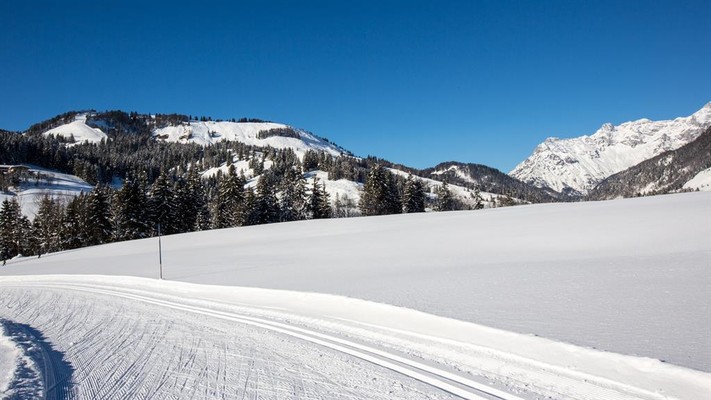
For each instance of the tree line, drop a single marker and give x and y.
(142, 183)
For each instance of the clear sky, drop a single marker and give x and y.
(415, 82)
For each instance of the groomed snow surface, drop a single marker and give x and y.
(571, 301)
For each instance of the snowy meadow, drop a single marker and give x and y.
(618, 291)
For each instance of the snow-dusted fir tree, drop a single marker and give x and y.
(130, 210)
(478, 200)
(229, 201)
(319, 203)
(248, 213)
(267, 205)
(191, 203)
(74, 224)
(380, 194)
(14, 230)
(292, 203)
(46, 226)
(413, 197)
(311, 160)
(162, 205)
(98, 215)
(444, 202)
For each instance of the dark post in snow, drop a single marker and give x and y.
(160, 255)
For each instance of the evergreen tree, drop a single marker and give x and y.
(162, 205)
(191, 203)
(229, 201)
(98, 215)
(74, 228)
(380, 193)
(248, 213)
(413, 199)
(478, 200)
(319, 204)
(130, 211)
(292, 203)
(311, 160)
(445, 202)
(14, 230)
(505, 201)
(47, 225)
(266, 207)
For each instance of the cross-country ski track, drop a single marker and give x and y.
(420, 365)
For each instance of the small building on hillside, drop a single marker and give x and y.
(9, 169)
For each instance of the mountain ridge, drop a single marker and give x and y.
(664, 173)
(91, 126)
(575, 165)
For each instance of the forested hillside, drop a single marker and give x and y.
(150, 176)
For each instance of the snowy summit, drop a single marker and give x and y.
(78, 130)
(576, 165)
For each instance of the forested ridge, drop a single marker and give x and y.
(142, 184)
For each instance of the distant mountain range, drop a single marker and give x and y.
(635, 158)
(107, 147)
(576, 166)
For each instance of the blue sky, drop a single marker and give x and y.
(415, 82)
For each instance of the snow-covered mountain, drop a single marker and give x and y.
(577, 165)
(261, 134)
(92, 126)
(670, 171)
(78, 130)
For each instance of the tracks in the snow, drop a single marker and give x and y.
(431, 375)
(55, 374)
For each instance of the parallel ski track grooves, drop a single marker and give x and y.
(55, 386)
(443, 380)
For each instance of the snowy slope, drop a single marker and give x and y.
(134, 337)
(702, 181)
(341, 188)
(45, 182)
(586, 273)
(579, 164)
(79, 130)
(208, 132)
(629, 277)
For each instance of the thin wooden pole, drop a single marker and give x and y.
(160, 254)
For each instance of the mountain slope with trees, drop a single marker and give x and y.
(178, 173)
(488, 179)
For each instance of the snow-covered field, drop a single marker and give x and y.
(57, 185)
(585, 299)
